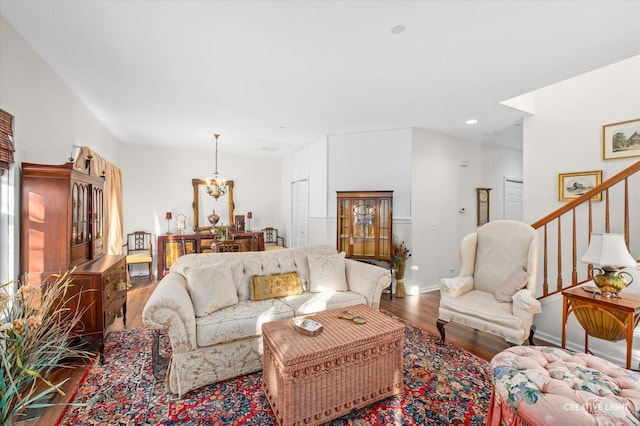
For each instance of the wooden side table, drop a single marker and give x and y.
(603, 317)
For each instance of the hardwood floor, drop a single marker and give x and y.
(136, 298)
(420, 310)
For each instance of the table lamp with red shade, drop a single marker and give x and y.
(168, 216)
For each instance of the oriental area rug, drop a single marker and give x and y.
(444, 385)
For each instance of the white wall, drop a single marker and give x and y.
(158, 180)
(366, 161)
(373, 160)
(49, 118)
(565, 135)
(424, 171)
(499, 163)
(441, 186)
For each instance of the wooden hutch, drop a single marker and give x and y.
(62, 228)
(365, 224)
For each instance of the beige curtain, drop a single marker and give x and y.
(113, 196)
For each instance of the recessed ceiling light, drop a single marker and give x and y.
(471, 121)
(398, 29)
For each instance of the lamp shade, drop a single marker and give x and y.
(167, 215)
(249, 215)
(608, 250)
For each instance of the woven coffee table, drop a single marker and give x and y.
(311, 380)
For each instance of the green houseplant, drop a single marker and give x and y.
(35, 339)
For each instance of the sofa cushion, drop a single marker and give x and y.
(211, 288)
(246, 264)
(275, 285)
(239, 321)
(309, 303)
(327, 273)
(510, 286)
(478, 304)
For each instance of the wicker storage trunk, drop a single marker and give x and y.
(312, 380)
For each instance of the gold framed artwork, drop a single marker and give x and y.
(483, 205)
(621, 140)
(573, 185)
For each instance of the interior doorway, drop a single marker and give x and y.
(299, 213)
(513, 189)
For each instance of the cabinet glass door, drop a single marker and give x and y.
(364, 234)
(384, 228)
(79, 223)
(365, 224)
(97, 225)
(344, 229)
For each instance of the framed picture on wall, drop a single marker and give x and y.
(239, 223)
(573, 185)
(621, 140)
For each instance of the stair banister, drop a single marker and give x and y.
(571, 206)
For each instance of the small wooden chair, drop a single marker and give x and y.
(227, 246)
(271, 239)
(139, 249)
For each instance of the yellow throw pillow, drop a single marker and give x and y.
(275, 285)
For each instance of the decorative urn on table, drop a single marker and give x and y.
(213, 218)
(611, 253)
(399, 255)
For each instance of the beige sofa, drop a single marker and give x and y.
(215, 327)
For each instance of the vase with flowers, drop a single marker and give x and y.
(399, 255)
(36, 339)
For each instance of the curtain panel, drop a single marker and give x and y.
(113, 195)
(6, 142)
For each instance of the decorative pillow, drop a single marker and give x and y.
(275, 285)
(327, 273)
(211, 288)
(510, 286)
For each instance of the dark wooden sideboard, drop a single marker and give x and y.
(101, 287)
(170, 247)
(62, 229)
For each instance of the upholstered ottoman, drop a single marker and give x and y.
(312, 380)
(537, 385)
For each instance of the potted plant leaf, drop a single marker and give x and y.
(36, 338)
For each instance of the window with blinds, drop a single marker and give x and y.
(6, 143)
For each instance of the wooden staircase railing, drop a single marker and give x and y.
(582, 228)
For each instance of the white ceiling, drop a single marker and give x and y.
(271, 76)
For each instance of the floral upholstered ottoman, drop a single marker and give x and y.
(537, 385)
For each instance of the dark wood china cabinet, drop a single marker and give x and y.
(62, 228)
(365, 224)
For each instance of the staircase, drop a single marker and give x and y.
(565, 233)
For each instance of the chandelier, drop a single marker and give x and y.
(216, 187)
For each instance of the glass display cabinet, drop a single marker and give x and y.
(365, 224)
(62, 228)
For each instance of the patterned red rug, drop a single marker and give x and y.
(444, 385)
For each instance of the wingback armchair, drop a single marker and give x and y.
(495, 290)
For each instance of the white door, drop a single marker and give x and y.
(513, 199)
(299, 213)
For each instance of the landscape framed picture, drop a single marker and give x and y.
(621, 140)
(573, 185)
